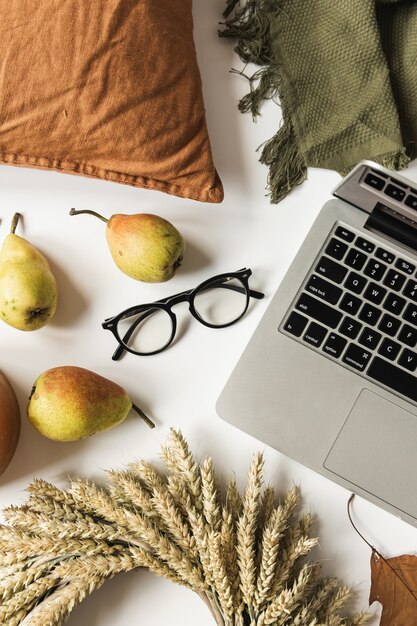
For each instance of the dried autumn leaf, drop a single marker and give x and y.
(394, 585)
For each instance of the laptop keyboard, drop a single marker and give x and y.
(358, 305)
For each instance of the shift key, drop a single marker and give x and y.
(319, 311)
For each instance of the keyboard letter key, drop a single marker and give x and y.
(408, 360)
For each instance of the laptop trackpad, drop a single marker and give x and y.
(376, 450)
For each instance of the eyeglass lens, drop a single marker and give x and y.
(221, 302)
(146, 332)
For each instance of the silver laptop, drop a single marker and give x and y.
(330, 375)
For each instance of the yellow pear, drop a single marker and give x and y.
(28, 289)
(68, 403)
(9, 422)
(143, 246)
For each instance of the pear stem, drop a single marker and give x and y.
(15, 221)
(100, 217)
(143, 416)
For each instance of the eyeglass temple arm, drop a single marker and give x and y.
(256, 294)
(253, 294)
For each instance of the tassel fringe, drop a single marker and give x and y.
(263, 86)
(394, 160)
(287, 168)
(250, 25)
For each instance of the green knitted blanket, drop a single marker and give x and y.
(345, 74)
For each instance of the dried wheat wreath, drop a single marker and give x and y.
(245, 556)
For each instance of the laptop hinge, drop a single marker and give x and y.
(390, 200)
(382, 222)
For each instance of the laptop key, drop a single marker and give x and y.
(369, 314)
(295, 324)
(394, 280)
(408, 335)
(384, 255)
(410, 314)
(408, 359)
(315, 334)
(374, 181)
(319, 311)
(411, 201)
(410, 290)
(323, 289)
(389, 325)
(355, 282)
(334, 345)
(393, 303)
(405, 266)
(350, 327)
(344, 233)
(389, 349)
(369, 338)
(374, 293)
(355, 259)
(350, 304)
(356, 357)
(331, 270)
(364, 244)
(336, 249)
(394, 192)
(374, 269)
(393, 377)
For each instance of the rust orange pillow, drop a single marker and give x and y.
(106, 88)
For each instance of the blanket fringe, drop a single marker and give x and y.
(394, 160)
(397, 160)
(263, 86)
(230, 6)
(287, 168)
(250, 23)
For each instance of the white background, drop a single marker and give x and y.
(179, 387)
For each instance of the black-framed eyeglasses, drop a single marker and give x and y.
(147, 329)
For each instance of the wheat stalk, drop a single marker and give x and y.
(221, 581)
(245, 556)
(181, 462)
(233, 500)
(246, 531)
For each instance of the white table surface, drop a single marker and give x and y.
(179, 387)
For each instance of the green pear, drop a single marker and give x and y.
(144, 246)
(69, 403)
(28, 289)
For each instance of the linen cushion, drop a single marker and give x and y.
(106, 88)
